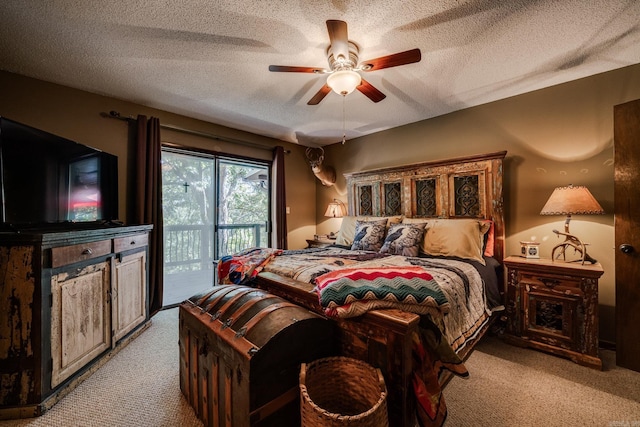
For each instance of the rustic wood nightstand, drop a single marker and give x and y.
(320, 243)
(553, 306)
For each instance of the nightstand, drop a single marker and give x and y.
(553, 306)
(319, 243)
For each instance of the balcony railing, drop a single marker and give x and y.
(190, 247)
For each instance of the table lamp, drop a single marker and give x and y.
(336, 209)
(571, 200)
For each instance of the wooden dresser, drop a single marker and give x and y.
(69, 299)
(553, 306)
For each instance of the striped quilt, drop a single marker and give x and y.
(354, 291)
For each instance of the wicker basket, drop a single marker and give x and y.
(340, 391)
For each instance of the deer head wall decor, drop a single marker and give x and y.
(326, 174)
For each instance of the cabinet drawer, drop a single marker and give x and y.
(549, 282)
(122, 244)
(64, 255)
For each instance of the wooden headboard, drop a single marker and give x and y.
(466, 187)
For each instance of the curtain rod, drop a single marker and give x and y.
(116, 115)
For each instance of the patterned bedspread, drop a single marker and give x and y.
(459, 281)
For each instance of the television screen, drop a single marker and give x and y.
(46, 179)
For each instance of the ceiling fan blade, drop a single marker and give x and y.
(288, 69)
(319, 96)
(370, 91)
(339, 38)
(401, 58)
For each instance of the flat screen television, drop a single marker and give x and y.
(46, 179)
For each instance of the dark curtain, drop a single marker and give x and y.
(281, 201)
(148, 201)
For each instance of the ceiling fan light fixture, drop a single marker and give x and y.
(345, 68)
(343, 82)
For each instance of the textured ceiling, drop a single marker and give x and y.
(209, 59)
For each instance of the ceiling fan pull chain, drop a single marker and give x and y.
(344, 132)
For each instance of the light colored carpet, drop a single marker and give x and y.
(511, 386)
(139, 387)
(508, 386)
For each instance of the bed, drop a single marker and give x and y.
(457, 205)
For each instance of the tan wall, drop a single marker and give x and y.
(557, 136)
(75, 115)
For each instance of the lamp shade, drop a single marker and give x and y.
(344, 82)
(335, 209)
(572, 200)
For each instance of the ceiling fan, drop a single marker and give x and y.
(343, 76)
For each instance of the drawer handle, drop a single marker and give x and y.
(549, 283)
(133, 242)
(87, 251)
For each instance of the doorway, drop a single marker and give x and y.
(212, 206)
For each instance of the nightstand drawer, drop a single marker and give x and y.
(315, 243)
(550, 282)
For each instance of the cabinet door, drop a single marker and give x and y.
(80, 320)
(553, 309)
(550, 317)
(129, 293)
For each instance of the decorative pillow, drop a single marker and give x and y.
(462, 238)
(489, 238)
(369, 235)
(348, 227)
(403, 239)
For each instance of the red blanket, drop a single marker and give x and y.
(431, 354)
(244, 265)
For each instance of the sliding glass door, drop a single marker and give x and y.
(212, 207)
(243, 207)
